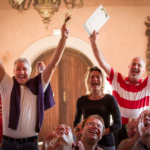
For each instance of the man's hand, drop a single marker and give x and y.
(93, 38)
(98, 55)
(64, 32)
(80, 145)
(141, 129)
(48, 71)
(40, 66)
(47, 145)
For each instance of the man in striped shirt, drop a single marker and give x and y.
(131, 93)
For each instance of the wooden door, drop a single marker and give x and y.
(68, 85)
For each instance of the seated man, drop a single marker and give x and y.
(78, 131)
(92, 131)
(60, 139)
(142, 134)
(131, 131)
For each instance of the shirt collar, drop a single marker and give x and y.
(127, 80)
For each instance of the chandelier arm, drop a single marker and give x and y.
(59, 2)
(46, 8)
(73, 4)
(12, 3)
(28, 5)
(79, 5)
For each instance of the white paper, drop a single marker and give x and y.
(96, 20)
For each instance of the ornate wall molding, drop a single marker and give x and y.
(148, 45)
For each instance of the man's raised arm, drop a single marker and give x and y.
(98, 55)
(141, 131)
(47, 73)
(2, 71)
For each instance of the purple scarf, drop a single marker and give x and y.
(44, 102)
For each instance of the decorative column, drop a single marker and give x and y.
(148, 45)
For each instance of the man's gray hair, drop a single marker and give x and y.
(130, 120)
(23, 60)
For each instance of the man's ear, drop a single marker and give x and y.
(128, 66)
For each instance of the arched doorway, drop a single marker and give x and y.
(67, 84)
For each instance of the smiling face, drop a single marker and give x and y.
(64, 135)
(92, 131)
(95, 81)
(131, 129)
(136, 69)
(22, 72)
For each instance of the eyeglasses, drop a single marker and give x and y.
(93, 124)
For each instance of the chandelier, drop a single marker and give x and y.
(46, 8)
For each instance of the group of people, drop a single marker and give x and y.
(25, 99)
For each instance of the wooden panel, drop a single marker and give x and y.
(69, 78)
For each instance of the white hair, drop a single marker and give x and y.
(23, 60)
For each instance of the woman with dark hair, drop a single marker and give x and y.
(96, 102)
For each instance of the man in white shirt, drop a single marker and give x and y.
(23, 100)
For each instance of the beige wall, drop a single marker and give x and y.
(124, 38)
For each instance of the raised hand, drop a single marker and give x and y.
(93, 37)
(142, 130)
(80, 145)
(64, 32)
(40, 66)
(47, 144)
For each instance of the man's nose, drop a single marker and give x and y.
(21, 71)
(135, 66)
(94, 125)
(134, 129)
(95, 78)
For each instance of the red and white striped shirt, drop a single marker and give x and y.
(132, 99)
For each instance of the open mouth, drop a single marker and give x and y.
(61, 133)
(133, 134)
(21, 77)
(135, 71)
(146, 124)
(94, 83)
(93, 131)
